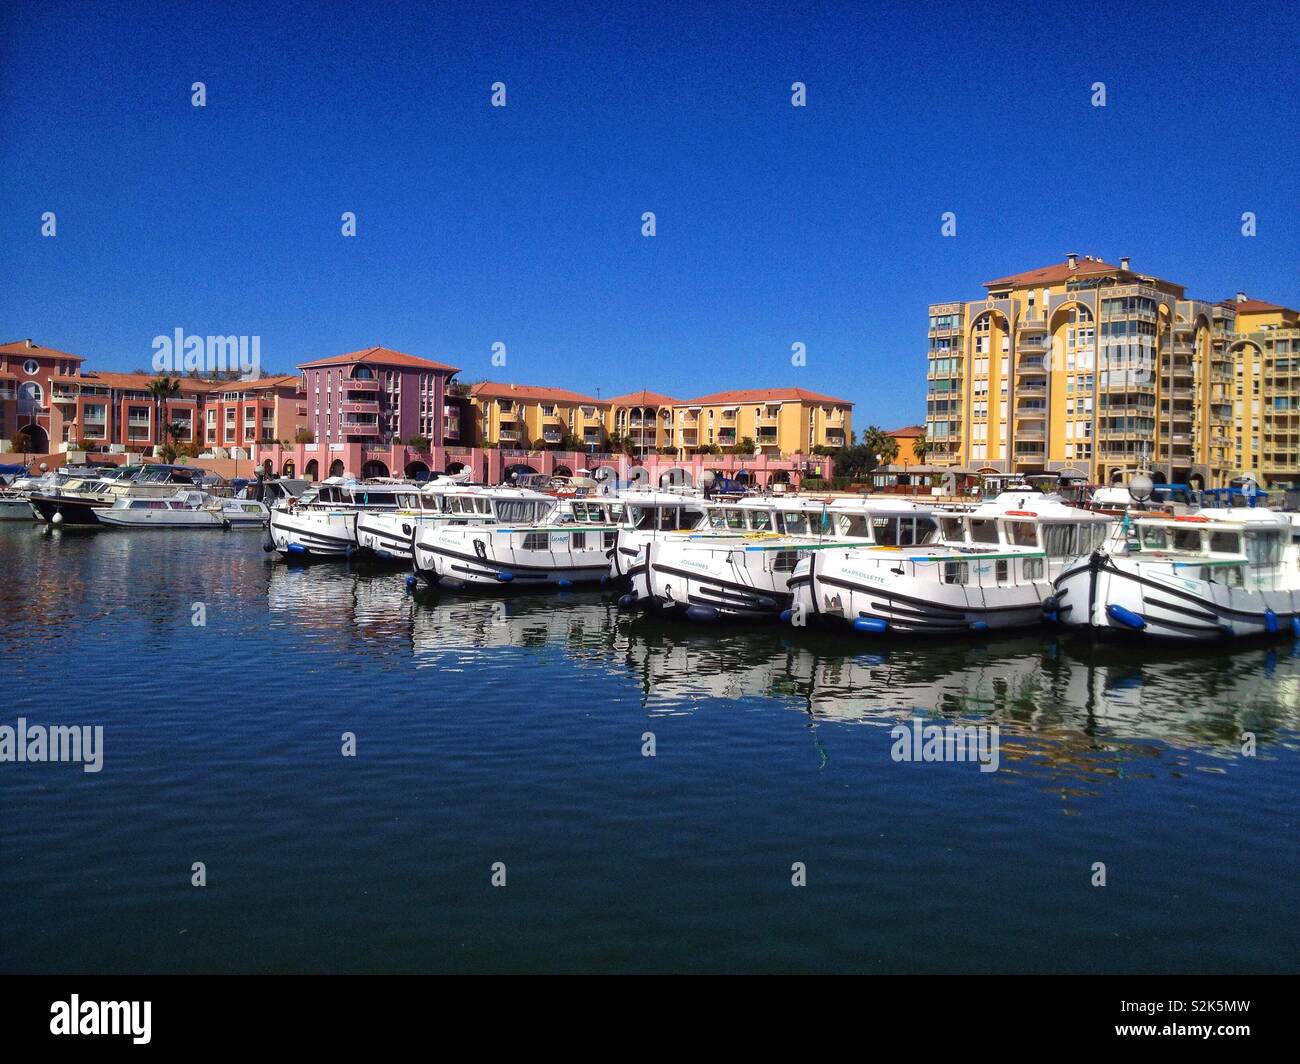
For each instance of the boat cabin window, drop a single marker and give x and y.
(1227, 575)
(983, 530)
(537, 541)
(1225, 543)
(951, 528)
(956, 572)
(517, 510)
(793, 523)
(728, 519)
(785, 561)
(1022, 533)
(760, 520)
(853, 525)
(1186, 539)
(1264, 547)
(1153, 537)
(1033, 568)
(1072, 540)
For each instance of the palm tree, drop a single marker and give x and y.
(921, 447)
(880, 443)
(163, 388)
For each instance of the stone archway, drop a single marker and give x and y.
(676, 478)
(36, 440)
(312, 471)
(337, 469)
(509, 473)
(561, 471)
(416, 470)
(455, 467)
(288, 469)
(372, 469)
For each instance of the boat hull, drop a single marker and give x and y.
(313, 533)
(1125, 597)
(70, 510)
(872, 595)
(16, 509)
(484, 557)
(707, 585)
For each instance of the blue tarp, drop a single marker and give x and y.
(12, 470)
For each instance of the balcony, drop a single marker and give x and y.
(359, 406)
(360, 386)
(509, 435)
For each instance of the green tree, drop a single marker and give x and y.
(921, 447)
(420, 443)
(855, 462)
(163, 388)
(746, 445)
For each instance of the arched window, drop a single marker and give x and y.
(363, 373)
(30, 391)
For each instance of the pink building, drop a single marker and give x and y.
(376, 397)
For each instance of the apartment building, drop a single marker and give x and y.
(528, 416)
(778, 420)
(27, 374)
(376, 396)
(1088, 369)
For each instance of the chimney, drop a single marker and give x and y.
(1073, 260)
(1241, 297)
(1123, 263)
(30, 344)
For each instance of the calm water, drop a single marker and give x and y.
(517, 737)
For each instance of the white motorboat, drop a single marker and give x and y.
(647, 515)
(388, 533)
(519, 537)
(14, 507)
(990, 568)
(185, 509)
(1212, 574)
(322, 522)
(738, 563)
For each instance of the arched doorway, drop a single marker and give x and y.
(676, 478)
(455, 467)
(312, 471)
(336, 467)
(35, 440)
(416, 470)
(779, 476)
(287, 470)
(562, 471)
(267, 468)
(373, 469)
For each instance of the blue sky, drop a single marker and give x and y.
(775, 224)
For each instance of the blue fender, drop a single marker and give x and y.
(873, 625)
(1122, 615)
(701, 613)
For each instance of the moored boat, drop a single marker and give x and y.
(991, 568)
(1209, 575)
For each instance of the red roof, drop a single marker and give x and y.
(141, 381)
(911, 432)
(19, 347)
(764, 395)
(642, 398)
(498, 390)
(380, 356)
(1255, 306)
(1057, 272)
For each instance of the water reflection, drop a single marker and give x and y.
(1066, 691)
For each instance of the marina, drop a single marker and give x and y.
(510, 728)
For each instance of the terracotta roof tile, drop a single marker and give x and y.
(501, 390)
(19, 347)
(380, 356)
(764, 395)
(1057, 272)
(644, 397)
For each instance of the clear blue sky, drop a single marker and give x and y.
(522, 225)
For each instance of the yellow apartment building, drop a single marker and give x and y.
(1087, 369)
(780, 421)
(527, 417)
(1263, 341)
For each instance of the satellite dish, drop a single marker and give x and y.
(1140, 486)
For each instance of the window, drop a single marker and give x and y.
(1022, 533)
(955, 572)
(785, 561)
(1225, 543)
(983, 531)
(578, 541)
(31, 367)
(537, 541)
(1033, 568)
(1000, 571)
